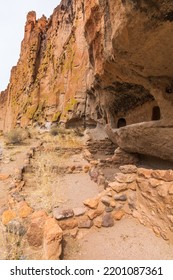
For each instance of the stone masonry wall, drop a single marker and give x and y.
(149, 197)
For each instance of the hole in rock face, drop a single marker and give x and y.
(121, 122)
(169, 16)
(156, 113)
(169, 90)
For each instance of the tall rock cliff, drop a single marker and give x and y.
(98, 61)
(50, 80)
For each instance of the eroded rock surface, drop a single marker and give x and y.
(150, 138)
(50, 80)
(93, 61)
(90, 64)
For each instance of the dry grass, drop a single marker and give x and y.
(70, 141)
(10, 244)
(54, 131)
(58, 130)
(66, 138)
(3, 252)
(42, 193)
(16, 136)
(47, 165)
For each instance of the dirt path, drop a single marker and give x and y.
(126, 240)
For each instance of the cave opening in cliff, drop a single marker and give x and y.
(121, 122)
(156, 113)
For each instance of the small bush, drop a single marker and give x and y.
(60, 130)
(17, 136)
(54, 131)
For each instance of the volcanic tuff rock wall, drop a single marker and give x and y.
(133, 50)
(50, 79)
(3, 100)
(92, 60)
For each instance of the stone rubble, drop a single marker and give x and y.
(52, 239)
(60, 214)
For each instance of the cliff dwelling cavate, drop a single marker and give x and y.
(156, 113)
(87, 134)
(121, 122)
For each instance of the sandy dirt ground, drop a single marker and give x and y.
(126, 240)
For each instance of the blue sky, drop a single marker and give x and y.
(12, 22)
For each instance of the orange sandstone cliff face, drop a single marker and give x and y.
(98, 61)
(50, 80)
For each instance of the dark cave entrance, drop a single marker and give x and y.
(156, 115)
(121, 122)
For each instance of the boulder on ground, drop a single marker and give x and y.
(36, 228)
